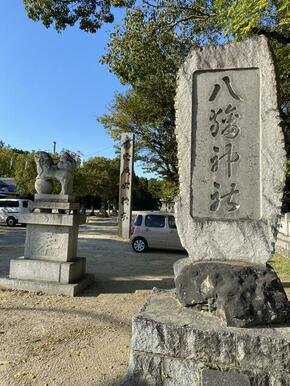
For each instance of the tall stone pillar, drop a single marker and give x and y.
(125, 186)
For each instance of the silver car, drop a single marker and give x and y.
(154, 230)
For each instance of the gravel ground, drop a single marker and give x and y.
(57, 340)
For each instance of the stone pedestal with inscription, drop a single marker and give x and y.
(231, 169)
(50, 263)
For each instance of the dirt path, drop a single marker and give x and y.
(83, 341)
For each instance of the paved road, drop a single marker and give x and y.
(116, 266)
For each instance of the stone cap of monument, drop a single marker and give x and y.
(54, 197)
(249, 231)
(52, 219)
(39, 204)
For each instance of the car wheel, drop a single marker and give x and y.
(11, 221)
(139, 245)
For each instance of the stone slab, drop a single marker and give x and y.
(25, 269)
(220, 86)
(217, 378)
(53, 205)
(165, 330)
(52, 219)
(54, 197)
(46, 287)
(51, 242)
(154, 370)
(228, 152)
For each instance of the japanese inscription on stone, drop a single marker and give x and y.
(226, 144)
(125, 190)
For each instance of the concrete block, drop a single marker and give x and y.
(48, 287)
(71, 272)
(54, 197)
(52, 219)
(26, 269)
(51, 242)
(53, 205)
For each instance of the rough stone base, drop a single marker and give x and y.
(48, 287)
(176, 346)
(242, 294)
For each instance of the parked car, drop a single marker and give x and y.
(154, 230)
(11, 208)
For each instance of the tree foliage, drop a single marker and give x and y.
(163, 189)
(134, 112)
(25, 172)
(89, 14)
(99, 176)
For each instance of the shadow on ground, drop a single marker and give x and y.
(118, 269)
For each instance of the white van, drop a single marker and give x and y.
(11, 208)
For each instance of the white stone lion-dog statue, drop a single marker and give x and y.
(47, 170)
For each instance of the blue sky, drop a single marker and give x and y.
(52, 86)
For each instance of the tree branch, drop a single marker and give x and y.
(192, 17)
(272, 34)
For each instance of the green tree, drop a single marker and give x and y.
(163, 189)
(25, 173)
(88, 14)
(143, 199)
(135, 113)
(99, 176)
(7, 162)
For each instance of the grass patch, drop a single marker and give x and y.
(281, 266)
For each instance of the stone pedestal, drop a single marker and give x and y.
(174, 345)
(50, 263)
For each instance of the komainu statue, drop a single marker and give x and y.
(63, 171)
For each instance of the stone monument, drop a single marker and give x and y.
(125, 185)
(231, 169)
(50, 263)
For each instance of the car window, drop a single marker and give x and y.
(155, 221)
(25, 204)
(3, 204)
(171, 222)
(13, 204)
(138, 220)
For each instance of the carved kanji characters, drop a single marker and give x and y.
(217, 198)
(230, 157)
(226, 120)
(231, 91)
